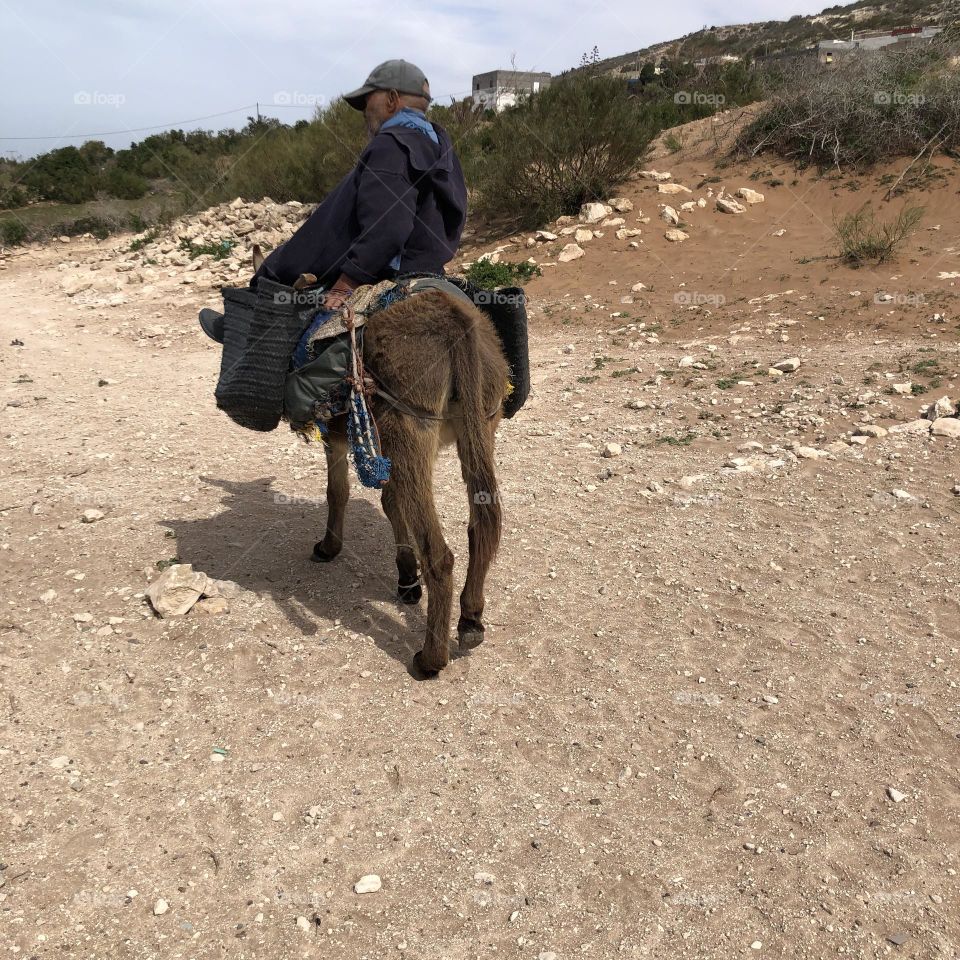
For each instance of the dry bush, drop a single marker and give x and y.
(864, 239)
(866, 108)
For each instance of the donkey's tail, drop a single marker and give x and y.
(474, 433)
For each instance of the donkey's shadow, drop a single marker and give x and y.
(262, 541)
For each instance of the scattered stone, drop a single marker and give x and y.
(546, 235)
(870, 430)
(303, 924)
(669, 215)
(612, 449)
(487, 879)
(672, 189)
(655, 175)
(638, 287)
(904, 389)
(594, 212)
(48, 596)
(620, 204)
(371, 883)
(895, 795)
(60, 763)
(902, 495)
(676, 236)
(810, 453)
(627, 232)
(583, 235)
(92, 516)
(570, 252)
(177, 589)
(912, 426)
(944, 407)
(751, 196)
(946, 427)
(729, 205)
(791, 365)
(82, 617)
(778, 233)
(211, 606)
(686, 362)
(160, 907)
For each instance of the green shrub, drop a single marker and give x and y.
(863, 239)
(489, 276)
(571, 143)
(12, 232)
(124, 184)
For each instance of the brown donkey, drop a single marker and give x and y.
(441, 363)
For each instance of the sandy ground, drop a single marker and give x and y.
(717, 714)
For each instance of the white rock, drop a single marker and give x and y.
(638, 287)
(944, 407)
(729, 205)
(751, 196)
(625, 233)
(160, 907)
(571, 251)
(177, 589)
(620, 204)
(91, 516)
(870, 430)
(583, 235)
(303, 924)
(895, 795)
(487, 879)
(613, 222)
(371, 883)
(779, 233)
(904, 389)
(594, 212)
(676, 236)
(686, 362)
(670, 215)
(672, 189)
(48, 596)
(60, 763)
(546, 236)
(655, 175)
(612, 449)
(912, 427)
(790, 365)
(946, 427)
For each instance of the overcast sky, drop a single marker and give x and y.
(70, 68)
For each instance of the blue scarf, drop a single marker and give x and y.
(415, 119)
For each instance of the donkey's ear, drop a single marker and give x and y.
(258, 257)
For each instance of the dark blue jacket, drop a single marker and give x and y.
(406, 195)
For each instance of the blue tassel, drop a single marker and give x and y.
(373, 469)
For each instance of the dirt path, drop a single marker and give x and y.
(700, 684)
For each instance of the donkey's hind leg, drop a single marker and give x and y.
(483, 536)
(409, 589)
(338, 492)
(413, 449)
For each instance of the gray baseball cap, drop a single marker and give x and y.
(399, 75)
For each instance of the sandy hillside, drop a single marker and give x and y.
(717, 712)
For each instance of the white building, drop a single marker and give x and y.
(499, 89)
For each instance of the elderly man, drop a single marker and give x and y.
(401, 209)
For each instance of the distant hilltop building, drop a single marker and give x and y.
(499, 89)
(830, 50)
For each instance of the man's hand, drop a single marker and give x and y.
(339, 293)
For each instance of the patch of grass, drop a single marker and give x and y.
(490, 276)
(623, 373)
(726, 383)
(587, 379)
(163, 564)
(219, 250)
(863, 239)
(680, 440)
(12, 232)
(141, 242)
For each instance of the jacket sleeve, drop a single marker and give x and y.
(386, 211)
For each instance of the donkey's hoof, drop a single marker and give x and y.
(321, 554)
(470, 633)
(411, 593)
(421, 670)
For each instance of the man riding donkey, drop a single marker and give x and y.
(437, 369)
(400, 210)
